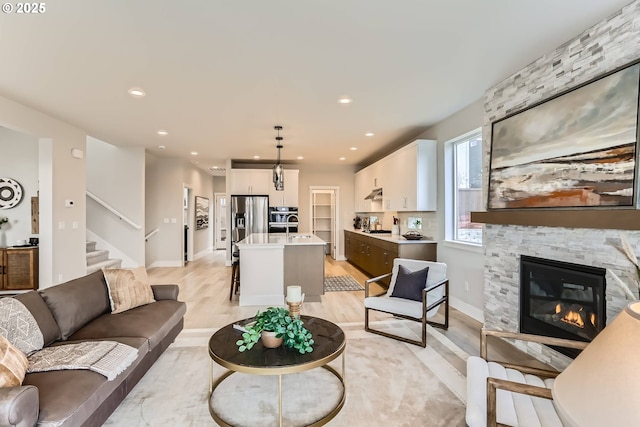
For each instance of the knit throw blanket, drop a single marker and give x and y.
(108, 358)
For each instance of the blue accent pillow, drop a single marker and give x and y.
(409, 285)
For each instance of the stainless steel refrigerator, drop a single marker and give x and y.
(249, 214)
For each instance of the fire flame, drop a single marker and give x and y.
(558, 308)
(574, 318)
(593, 319)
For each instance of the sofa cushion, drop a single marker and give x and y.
(40, 311)
(77, 302)
(152, 321)
(128, 288)
(73, 396)
(13, 364)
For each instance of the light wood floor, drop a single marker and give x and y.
(205, 284)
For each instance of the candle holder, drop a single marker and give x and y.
(294, 309)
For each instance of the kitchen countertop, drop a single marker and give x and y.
(393, 238)
(279, 239)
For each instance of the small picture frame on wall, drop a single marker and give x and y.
(577, 149)
(202, 213)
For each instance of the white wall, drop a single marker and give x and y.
(19, 161)
(219, 184)
(327, 175)
(201, 184)
(165, 181)
(61, 177)
(116, 176)
(463, 265)
(164, 202)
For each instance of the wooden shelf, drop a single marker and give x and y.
(614, 219)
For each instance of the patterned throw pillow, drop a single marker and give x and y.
(13, 364)
(128, 288)
(18, 325)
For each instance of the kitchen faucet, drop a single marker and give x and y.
(288, 217)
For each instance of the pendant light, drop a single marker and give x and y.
(278, 170)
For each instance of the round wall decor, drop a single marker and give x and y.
(10, 193)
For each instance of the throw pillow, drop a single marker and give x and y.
(19, 327)
(128, 288)
(40, 311)
(409, 285)
(13, 364)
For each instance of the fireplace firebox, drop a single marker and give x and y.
(563, 300)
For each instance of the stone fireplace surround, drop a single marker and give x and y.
(606, 46)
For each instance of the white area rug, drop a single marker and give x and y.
(389, 383)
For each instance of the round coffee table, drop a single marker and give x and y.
(329, 344)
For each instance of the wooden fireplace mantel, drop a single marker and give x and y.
(615, 219)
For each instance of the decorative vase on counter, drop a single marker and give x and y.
(269, 339)
(395, 229)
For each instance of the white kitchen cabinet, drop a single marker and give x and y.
(365, 181)
(251, 181)
(288, 197)
(362, 188)
(411, 181)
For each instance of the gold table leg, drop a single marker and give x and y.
(280, 397)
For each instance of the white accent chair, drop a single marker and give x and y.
(434, 294)
(501, 394)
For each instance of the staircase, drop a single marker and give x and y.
(97, 259)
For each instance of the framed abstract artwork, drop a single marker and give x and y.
(577, 149)
(202, 213)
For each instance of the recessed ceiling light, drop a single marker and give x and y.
(136, 92)
(216, 168)
(299, 157)
(162, 132)
(369, 134)
(162, 147)
(342, 158)
(345, 100)
(256, 157)
(194, 153)
(353, 148)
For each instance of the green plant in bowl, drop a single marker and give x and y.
(278, 320)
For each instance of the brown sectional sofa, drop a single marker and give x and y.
(77, 311)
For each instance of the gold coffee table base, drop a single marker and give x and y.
(320, 422)
(330, 343)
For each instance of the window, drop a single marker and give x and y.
(464, 187)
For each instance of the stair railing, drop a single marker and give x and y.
(151, 233)
(113, 211)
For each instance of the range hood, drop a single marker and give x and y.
(376, 194)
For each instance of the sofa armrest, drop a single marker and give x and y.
(19, 406)
(165, 292)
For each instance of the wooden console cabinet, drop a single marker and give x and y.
(375, 255)
(18, 269)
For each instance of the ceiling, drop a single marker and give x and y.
(218, 75)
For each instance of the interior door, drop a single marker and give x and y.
(221, 220)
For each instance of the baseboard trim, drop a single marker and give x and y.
(165, 264)
(202, 253)
(467, 309)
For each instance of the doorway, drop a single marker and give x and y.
(187, 217)
(221, 220)
(324, 218)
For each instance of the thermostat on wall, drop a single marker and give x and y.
(77, 153)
